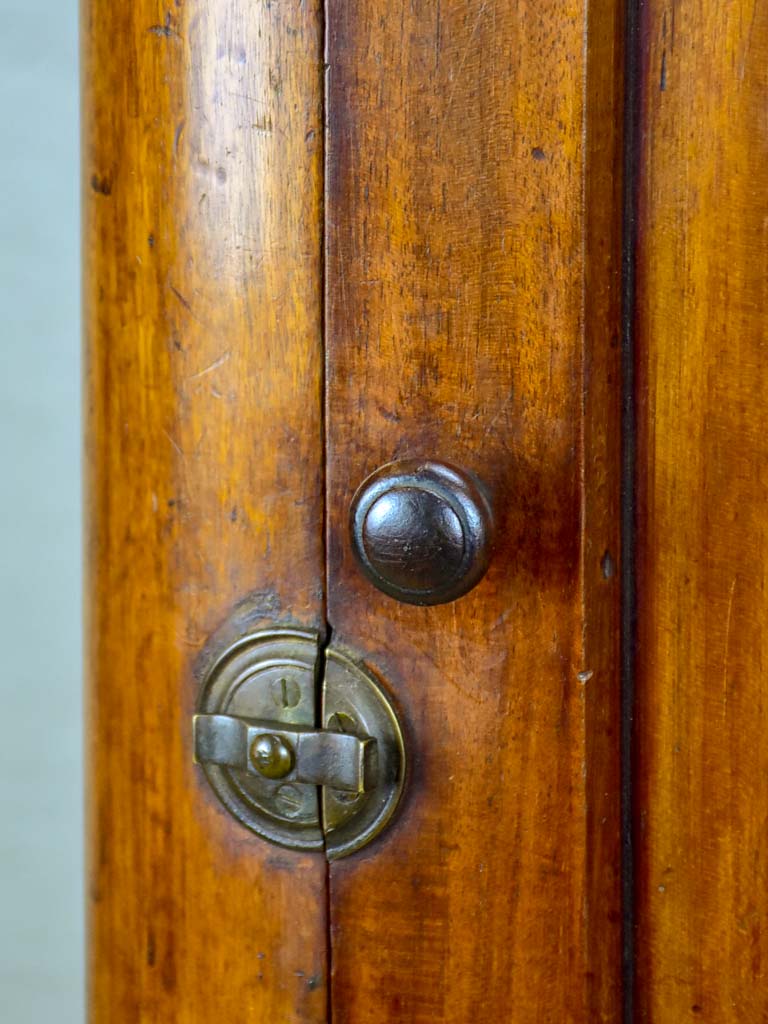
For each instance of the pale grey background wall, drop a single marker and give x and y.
(41, 893)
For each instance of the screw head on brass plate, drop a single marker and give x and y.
(422, 531)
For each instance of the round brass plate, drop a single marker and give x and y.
(281, 677)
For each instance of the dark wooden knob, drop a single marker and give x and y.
(421, 531)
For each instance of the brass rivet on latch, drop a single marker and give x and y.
(271, 756)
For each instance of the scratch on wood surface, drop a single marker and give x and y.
(728, 617)
(464, 57)
(185, 303)
(175, 445)
(448, 678)
(213, 366)
(747, 44)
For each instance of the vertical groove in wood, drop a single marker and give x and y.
(203, 227)
(473, 204)
(702, 713)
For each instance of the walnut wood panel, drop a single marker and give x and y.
(702, 715)
(472, 191)
(203, 226)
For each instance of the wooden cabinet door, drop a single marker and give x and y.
(320, 237)
(203, 167)
(472, 272)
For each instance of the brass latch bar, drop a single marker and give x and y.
(301, 754)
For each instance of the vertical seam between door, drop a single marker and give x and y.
(631, 154)
(324, 69)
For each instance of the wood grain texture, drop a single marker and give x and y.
(702, 717)
(472, 194)
(202, 244)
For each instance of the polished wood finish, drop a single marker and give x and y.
(701, 765)
(203, 223)
(473, 189)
